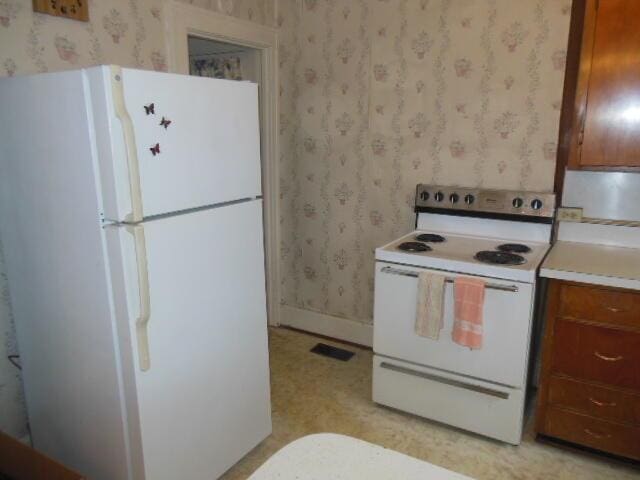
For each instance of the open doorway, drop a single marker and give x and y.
(196, 35)
(224, 60)
(211, 58)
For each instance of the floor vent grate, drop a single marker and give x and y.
(332, 352)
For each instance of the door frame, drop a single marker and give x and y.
(181, 21)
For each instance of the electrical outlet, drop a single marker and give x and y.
(569, 214)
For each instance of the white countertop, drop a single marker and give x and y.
(598, 264)
(328, 456)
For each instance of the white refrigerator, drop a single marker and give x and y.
(131, 220)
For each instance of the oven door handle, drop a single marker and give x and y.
(410, 273)
(446, 381)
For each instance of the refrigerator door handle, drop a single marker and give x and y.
(142, 321)
(130, 145)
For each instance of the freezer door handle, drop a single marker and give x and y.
(142, 321)
(130, 145)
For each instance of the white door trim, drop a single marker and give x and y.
(182, 20)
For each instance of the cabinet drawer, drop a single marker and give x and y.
(589, 352)
(600, 305)
(599, 434)
(593, 400)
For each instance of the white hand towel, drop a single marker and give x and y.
(430, 305)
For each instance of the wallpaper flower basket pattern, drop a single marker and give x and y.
(9, 10)
(66, 49)
(115, 25)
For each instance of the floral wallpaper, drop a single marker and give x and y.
(124, 32)
(379, 95)
(259, 11)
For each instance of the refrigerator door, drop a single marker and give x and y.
(201, 375)
(177, 142)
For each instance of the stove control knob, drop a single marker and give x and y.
(536, 204)
(469, 199)
(424, 196)
(517, 202)
(453, 198)
(439, 196)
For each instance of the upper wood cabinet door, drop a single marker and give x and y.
(611, 119)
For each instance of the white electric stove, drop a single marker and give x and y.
(498, 236)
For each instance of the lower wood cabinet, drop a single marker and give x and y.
(597, 353)
(590, 386)
(598, 401)
(593, 432)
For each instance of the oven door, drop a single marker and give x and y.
(507, 327)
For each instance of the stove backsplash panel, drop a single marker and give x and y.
(610, 195)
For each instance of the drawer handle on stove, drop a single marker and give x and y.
(608, 359)
(446, 381)
(410, 273)
(597, 435)
(602, 404)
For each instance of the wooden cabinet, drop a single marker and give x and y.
(618, 438)
(597, 353)
(605, 131)
(590, 384)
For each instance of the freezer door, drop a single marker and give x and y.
(188, 141)
(203, 398)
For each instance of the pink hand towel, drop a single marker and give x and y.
(469, 303)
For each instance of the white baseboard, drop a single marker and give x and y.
(322, 324)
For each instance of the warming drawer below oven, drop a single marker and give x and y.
(507, 327)
(472, 405)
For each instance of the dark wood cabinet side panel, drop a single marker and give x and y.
(553, 305)
(569, 123)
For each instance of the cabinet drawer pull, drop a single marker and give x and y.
(614, 309)
(597, 435)
(608, 359)
(602, 404)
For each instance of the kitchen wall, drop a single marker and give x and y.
(378, 95)
(124, 32)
